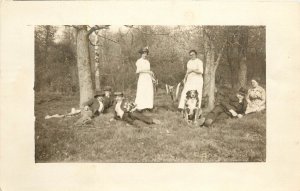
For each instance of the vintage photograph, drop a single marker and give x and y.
(150, 93)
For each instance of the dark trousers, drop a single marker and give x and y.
(218, 113)
(131, 117)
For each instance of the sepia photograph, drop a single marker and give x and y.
(150, 93)
(142, 95)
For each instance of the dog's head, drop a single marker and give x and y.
(192, 94)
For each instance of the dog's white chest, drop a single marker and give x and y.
(191, 103)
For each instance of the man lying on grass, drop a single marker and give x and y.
(126, 111)
(94, 107)
(234, 107)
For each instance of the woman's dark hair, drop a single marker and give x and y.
(193, 51)
(144, 50)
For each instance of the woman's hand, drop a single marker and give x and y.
(189, 71)
(146, 71)
(195, 71)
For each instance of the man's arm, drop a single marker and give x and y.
(228, 105)
(88, 103)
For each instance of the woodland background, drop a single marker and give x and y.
(232, 55)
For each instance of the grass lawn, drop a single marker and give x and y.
(57, 140)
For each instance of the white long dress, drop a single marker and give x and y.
(194, 81)
(144, 93)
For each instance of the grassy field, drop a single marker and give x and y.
(58, 140)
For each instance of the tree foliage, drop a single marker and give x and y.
(243, 55)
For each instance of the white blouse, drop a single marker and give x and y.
(142, 64)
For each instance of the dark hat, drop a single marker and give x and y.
(107, 88)
(242, 91)
(118, 94)
(143, 50)
(99, 94)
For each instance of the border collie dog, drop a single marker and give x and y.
(191, 109)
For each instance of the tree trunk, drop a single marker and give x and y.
(243, 41)
(212, 89)
(233, 67)
(211, 66)
(237, 56)
(243, 72)
(47, 44)
(209, 76)
(83, 64)
(97, 72)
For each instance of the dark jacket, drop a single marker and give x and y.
(233, 103)
(94, 104)
(108, 102)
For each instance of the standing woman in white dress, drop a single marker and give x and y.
(144, 93)
(193, 78)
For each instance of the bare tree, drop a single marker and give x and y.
(237, 37)
(83, 61)
(212, 56)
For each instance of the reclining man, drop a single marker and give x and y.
(126, 111)
(235, 106)
(93, 108)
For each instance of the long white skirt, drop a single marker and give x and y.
(193, 82)
(144, 93)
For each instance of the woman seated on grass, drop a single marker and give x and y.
(256, 98)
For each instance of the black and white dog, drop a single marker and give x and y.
(191, 111)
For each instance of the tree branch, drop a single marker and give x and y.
(95, 44)
(74, 26)
(102, 37)
(109, 39)
(97, 27)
